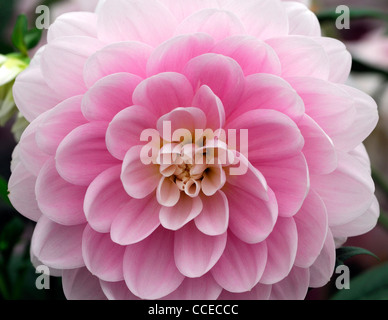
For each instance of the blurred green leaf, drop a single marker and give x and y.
(32, 38)
(4, 191)
(19, 33)
(371, 285)
(345, 253)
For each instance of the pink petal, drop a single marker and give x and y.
(163, 93)
(172, 55)
(312, 225)
(102, 256)
(219, 24)
(58, 123)
(186, 210)
(301, 57)
(21, 188)
(149, 267)
(347, 192)
(322, 269)
(105, 199)
(149, 22)
(127, 57)
(74, 24)
(361, 225)
(212, 106)
(241, 266)
(32, 94)
(117, 291)
(271, 135)
(80, 284)
(168, 193)
(138, 221)
(214, 179)
(196, 253)
(318, 149)
(252, 219)
(302, 20)
(214, 218)
(282, 247)
(204, 288)
(109, 96)
(273, 17)
(57, 246)
(59, 200)
(125, 130)
(293, 287)
(83, 155)
(253, 55)
(65, 74)
(221, 74)
(258, 293)
(139, 179)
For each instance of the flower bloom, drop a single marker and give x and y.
(119, 222)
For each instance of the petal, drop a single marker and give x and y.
(312, 225)
(109, 96)
(32, 94)
(168, 193)
(219, 24)
(301, 57)
(102, 256)
(258, 293)
(59, 200)
(293, 287)
(214, 218)
(212, 106)
(361, 225)
(64, 75)
(302, 21)
(127, 57)
(83, 155)
(149, 266)
(186, 210)
(204, 288)
(172, 55)
(125, 130)
(322, 269)
(289, 180)
(57, 246)
(318, 149)
(241, 266)
(271, 135)
(117, 291)
(139, 179)
(58, 123)
(282, 247)
(221, 74)
(21, 188)
(163, 93)
(74, 24)
(80, 284)
(253, 56)
(105, 199)
(348, 192)
(137, 222)
(196, 253)
(252, 219)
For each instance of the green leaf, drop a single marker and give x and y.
(19, 33)
(4, 192)
(32, 38)
(371, 285)
(10, 236)
(345, 253)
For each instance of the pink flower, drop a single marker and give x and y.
(123, 223)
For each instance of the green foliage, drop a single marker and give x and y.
(4, 192)
(345, 253)
(24, 39)
(371, 285)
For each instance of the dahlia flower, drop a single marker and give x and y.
(192, 150)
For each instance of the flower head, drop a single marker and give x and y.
(192, 150)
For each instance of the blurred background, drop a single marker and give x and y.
(367, 39)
